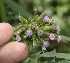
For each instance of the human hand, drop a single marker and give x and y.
(11, 52)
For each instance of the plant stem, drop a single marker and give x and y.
(3, 12)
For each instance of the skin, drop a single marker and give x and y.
(11, 52)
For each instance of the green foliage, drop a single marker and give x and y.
(3, 12)
(65, 38)
(34, 57)
(59, 10)
(57, 55)
(17, 8)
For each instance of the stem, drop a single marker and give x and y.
(3, 12)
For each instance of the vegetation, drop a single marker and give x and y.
(22, 13)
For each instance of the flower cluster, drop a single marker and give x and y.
(35, 31)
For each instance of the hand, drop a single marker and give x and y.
(11, 52)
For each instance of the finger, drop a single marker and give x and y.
(6, 32)
(13, 52)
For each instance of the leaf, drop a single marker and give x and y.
(33, 61)
(45, 62)
(65, 38)
(55, 54)
(26, 61)
(52, 61)
(63, 61)
(17, 8)
(35, 55)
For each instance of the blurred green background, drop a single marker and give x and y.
(58, 10)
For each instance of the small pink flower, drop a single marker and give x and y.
(40, 32)
(57, 28)
(52, 36)
(59, 38)
(18, 38)
(46, 19)
(46, 44)
(29, 32)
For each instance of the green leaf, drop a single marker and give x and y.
(26, 61)
(3, 11)
(17, 8)
(55, 54)
(63, 61)
(65, 38)
(52, 61)
(33, 61)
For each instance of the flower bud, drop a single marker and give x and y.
(57, 28)
(33, 26)
(59, 38)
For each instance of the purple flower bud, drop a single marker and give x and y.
(58, 38)
(46, 19)
(18, 38)
(52, 37)
(46, 44)
(29, 32)
(33, 26)
(57, 28)
(40, 32)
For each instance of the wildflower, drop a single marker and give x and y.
(33, 26)
(46, 44)
(58, 38)
(18, 38)
(40, 32)
(29, 32)
(52, 37)
(57, 28)
(46, 19)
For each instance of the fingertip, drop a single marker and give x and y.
(6, 32)
(14, 52)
